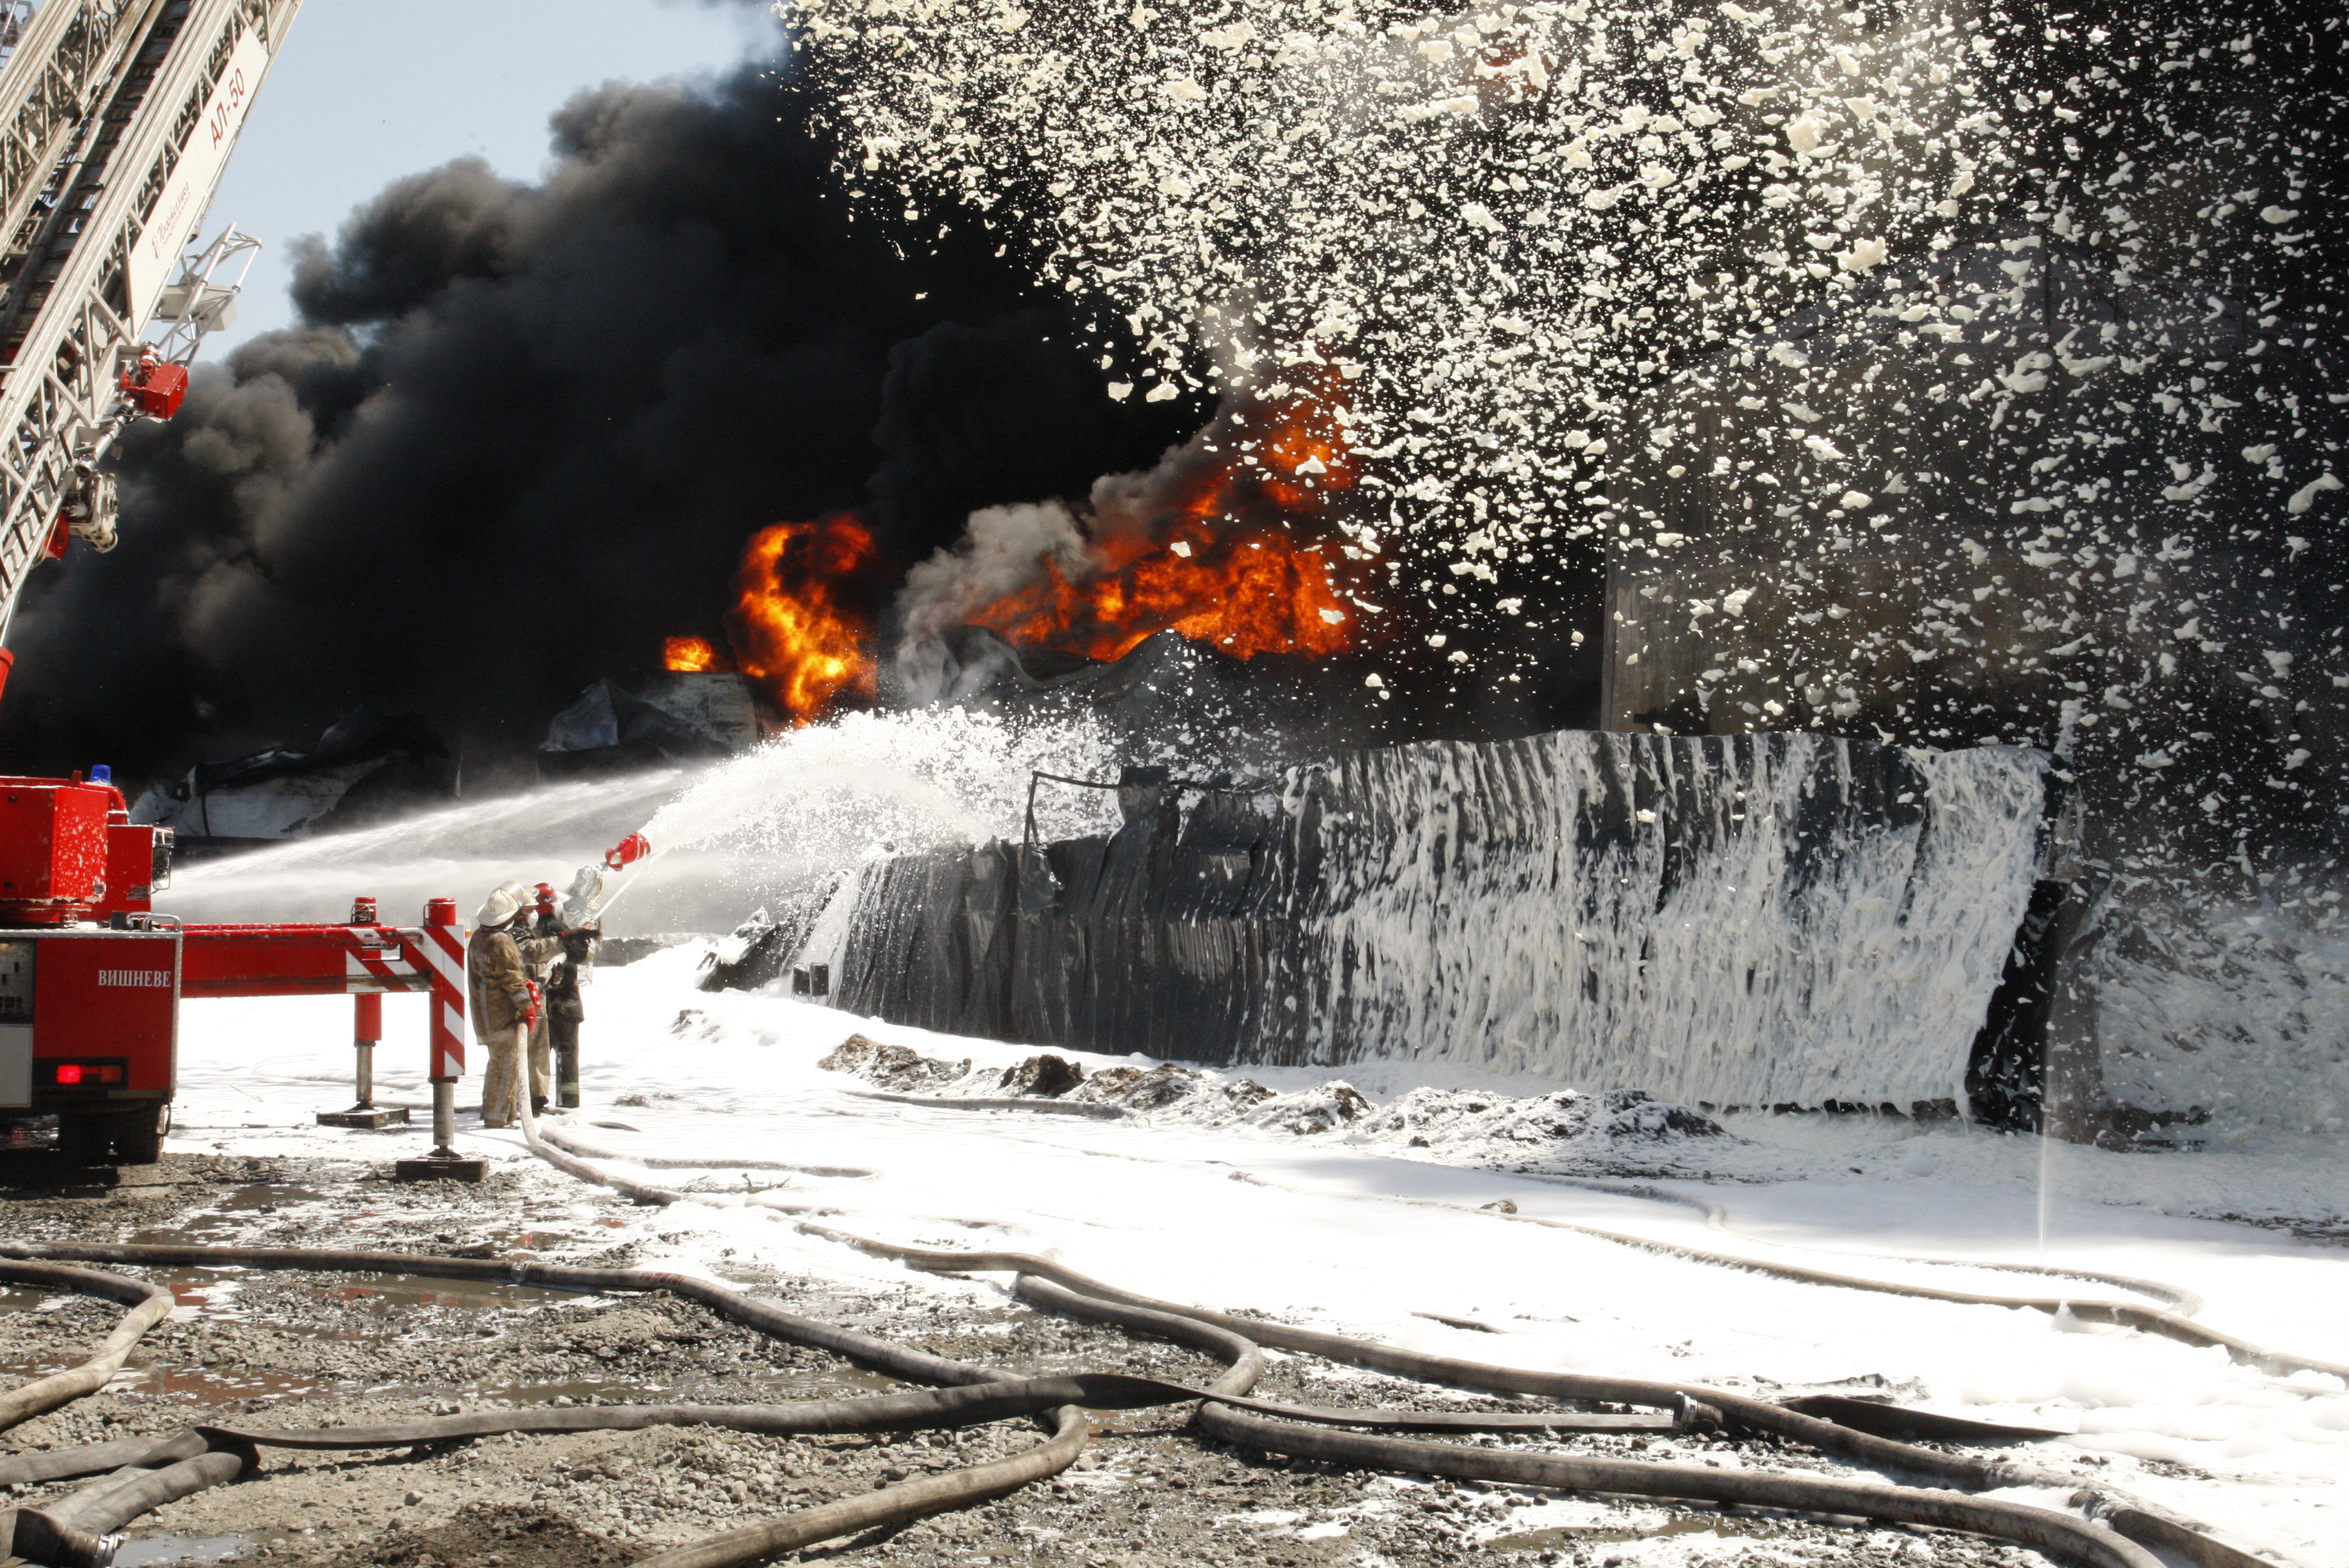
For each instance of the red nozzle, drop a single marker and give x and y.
(628, 851)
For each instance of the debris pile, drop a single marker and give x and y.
(1568, 1127)
(368, 767)
(895, 1068)
(1449, 1119)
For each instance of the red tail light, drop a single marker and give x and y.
(69, 1073)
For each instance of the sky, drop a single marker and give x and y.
(364, 92)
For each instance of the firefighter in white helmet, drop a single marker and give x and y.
(498, 961)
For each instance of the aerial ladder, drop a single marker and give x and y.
(116, 118)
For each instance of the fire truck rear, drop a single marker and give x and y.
(90, 980)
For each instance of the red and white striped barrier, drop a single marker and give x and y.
(364, 959)
(438, 947)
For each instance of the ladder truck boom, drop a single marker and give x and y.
(116, 118)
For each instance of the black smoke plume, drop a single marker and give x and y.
(524, 430)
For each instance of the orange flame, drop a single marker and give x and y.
(1245, 593)
(1209, 563)
(801, 626)
(692, 655)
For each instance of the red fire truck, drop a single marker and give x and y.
(91, 978)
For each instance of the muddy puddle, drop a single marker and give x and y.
(153, 1551)
(1558, 1536)
(243, 1213)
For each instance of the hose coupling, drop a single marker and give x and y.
(1695, 1416)
(36, 1538)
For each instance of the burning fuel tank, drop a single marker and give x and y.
(1751, 920)
(648, 719)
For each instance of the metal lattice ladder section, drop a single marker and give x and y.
(101, 102)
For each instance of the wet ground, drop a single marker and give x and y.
(268, 1349)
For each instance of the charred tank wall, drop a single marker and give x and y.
(1751, 918)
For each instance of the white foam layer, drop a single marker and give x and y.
(1749, 920)
(1762, 935)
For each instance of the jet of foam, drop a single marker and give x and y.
(727, 836)
(886, 781)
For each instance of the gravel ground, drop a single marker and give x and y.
(302, 1350)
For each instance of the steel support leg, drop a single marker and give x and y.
(444, 1163)
(566, 1061)
(366, 1028)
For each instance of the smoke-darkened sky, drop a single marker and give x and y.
(524, 429)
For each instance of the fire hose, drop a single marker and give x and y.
(150, 1305)
(2170, 1324)
(571, 1144)
(2179, 1300)
(1812, 1421)
(1225, 1411)
(2174, 1321)
(2042, 1528)
(1853, 1429)
(997, 1102)
(70, 1534)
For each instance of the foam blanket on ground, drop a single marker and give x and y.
(1744, 920)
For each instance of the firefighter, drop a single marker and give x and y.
(582, 932)
(503, 996)
(538, 937)
(565, 1010)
